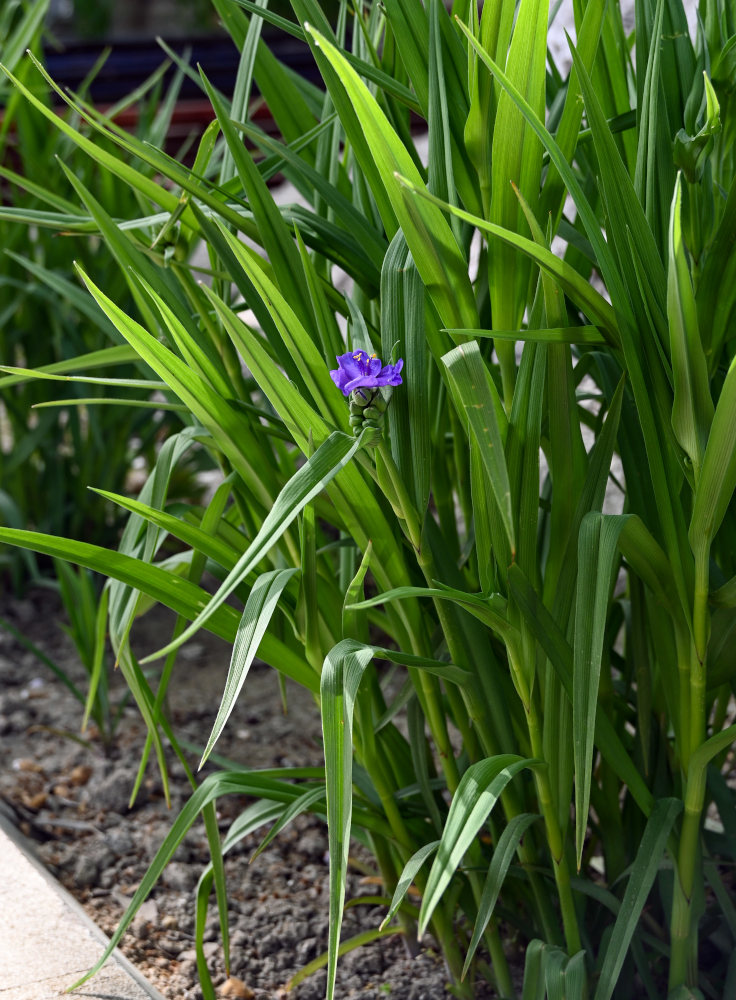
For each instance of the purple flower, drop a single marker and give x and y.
(359, 370)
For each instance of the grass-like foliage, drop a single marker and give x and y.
(558, 276)
(46, 320)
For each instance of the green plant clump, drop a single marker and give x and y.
(54, 439)
(558, 277)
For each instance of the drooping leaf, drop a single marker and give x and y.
(311, 478)
(411, 868)
(261, 604)
(479, 790)
(507, 844)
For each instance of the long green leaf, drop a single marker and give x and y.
(603, 255)
(118, 355)
(490, 609)
(403, 311)
(149, 188)
(274, 234)
(560, 654)
(598, 548)
(718, 477)
(350, 944)
(191, 534)
(641, 879)
(256, 618)
(363, 68)
(164, 587)
(310, 480)
(507, 845)
(549, 335)
(591, 302)
(297, 341)
(382, 156)
(411, 868)
(341, 675)
(476, 395)
(67, 290)
(24, 33)
(516, 159)
(296, 808)
(479, 790)
(654, 166)
(251, 783)
(227, 426)
(355, 504)
(344, 212)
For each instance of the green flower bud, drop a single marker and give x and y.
(367, 407)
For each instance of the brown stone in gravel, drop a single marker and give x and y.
(80, 774)
(26, 764)
(34, 801)
(234, 987)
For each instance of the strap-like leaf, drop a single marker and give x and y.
(591, 302)
(718, 477)
(310, 480)
(507, 844)
(598, 550)
(476, 395)
(643, 873)
(382, 156)
(251, 783)
(411, 868)
(164, 587)
(547, 633)
(478, 792)
(256, 617)
(341, 674)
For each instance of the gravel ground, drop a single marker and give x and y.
(72, 799)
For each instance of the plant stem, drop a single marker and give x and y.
(477, 707)
(554, 836)
(445, 932)
(684, 930)
(406, 506)
(701, 630)
(683, 935)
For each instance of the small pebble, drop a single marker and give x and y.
(86, 871)
(26, 764)
(80, 774)
(145, 918)
(234, 987)
(179, 876)
(119, 840)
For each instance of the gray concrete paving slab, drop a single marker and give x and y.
(47, 941)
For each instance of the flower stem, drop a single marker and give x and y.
(407, 510)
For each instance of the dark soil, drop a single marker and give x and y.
(72, 799)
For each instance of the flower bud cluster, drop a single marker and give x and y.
(367, 407)
(368, 384)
